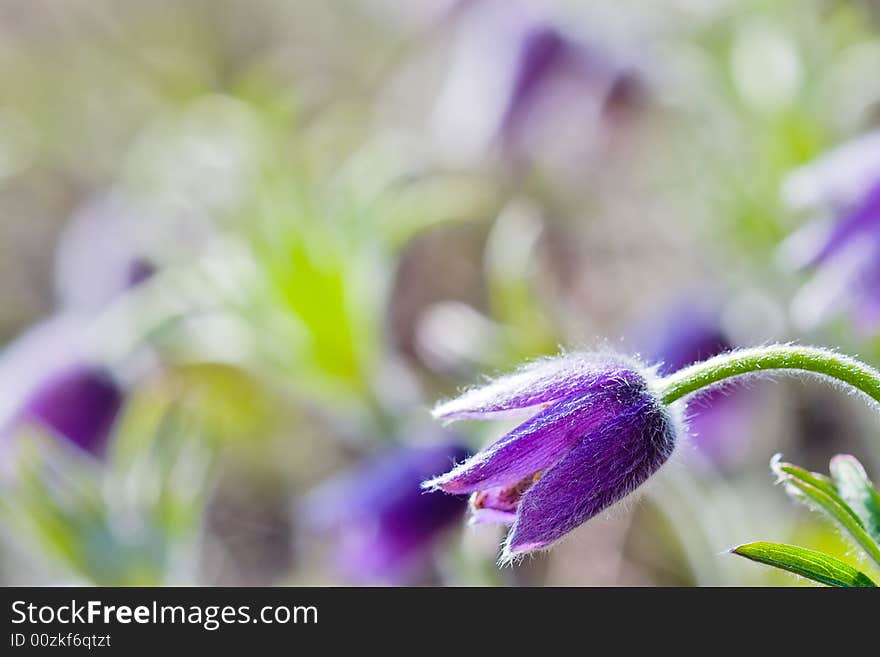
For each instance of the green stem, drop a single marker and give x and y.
(767, 359)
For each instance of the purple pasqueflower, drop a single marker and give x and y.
(553, 67)
(47, 379)
(836, 179)
(520, 85)
(597, 433)
(843, 250)
(382, 522)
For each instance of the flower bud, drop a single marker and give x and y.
(597, 433)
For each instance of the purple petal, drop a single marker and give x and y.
(79, 404)
(838, 178)
(542, 440)
(377, 484)
(540, 382)
(862, 292)
(546, 56)
(864, 217)
(381, 519)
(849, 281)
(50, 346)
(384, 545)
(608, 464)
(542, 48)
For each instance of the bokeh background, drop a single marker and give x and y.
(246, 245)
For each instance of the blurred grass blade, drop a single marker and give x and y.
(857, 491)
(811, 564)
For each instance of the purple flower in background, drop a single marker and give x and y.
(680, 337)
(552, 68)
(685, 334)
(382, 521)
(47, 376)
(47, 380)
(597, 433)
(843, 247)
(519, 83)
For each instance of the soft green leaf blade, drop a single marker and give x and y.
(856, 490)
(834, 507)
(811, 564)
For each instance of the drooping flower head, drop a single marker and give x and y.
(842, 249)
(683, 334)
(597, 432)
(381, 520)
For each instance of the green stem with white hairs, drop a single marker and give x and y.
(743, 362)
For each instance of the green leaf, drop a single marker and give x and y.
(838, 510)
(811, 564)
(857, 491)
(819, 492)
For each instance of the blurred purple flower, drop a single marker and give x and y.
(78, 404)
(837, 179)
(598, 434)
(547, 61)
(842, 249)
(519, 83)
(46, 380)
(47, 377)
(99, 255)
(383, 523)
(685, 334)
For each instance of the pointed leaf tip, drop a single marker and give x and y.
(813, 565)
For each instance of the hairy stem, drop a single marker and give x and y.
(767, 359)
